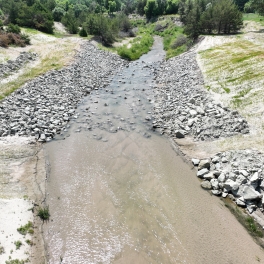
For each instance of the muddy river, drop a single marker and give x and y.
(118, 192)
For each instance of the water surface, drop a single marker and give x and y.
(119, 193)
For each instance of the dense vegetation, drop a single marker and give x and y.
(211, 16)
(107, 18)
(11, 35)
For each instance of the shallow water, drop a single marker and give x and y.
(119, 193)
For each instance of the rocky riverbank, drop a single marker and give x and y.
(13, 65)
(43, 106)
(183, 108)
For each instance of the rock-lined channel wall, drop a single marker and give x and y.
(182, 106)
(42, 107)
(13, 65)
(237, 174)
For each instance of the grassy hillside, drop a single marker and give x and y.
(233, 71)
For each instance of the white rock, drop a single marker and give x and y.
(202, 172)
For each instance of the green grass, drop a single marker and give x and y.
(252, 227)
(139, 46)
(15, 261)
(18, 244)
(43, 213)
(142, 44)
(253, 17)
(169, 36)
(27, 228)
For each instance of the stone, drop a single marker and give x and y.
(224, 194)
(241, 179)
(195, 162)
(206, 185)
(215, 184)
(179, 134)
(255, 177)
(216, 192)
(249, 193)
(202, 172)
(240, 202)
(209, 176)
(221, 177)
(204, 164)
(215, 159)
(244, 173)
(193, 113)
(230, 185)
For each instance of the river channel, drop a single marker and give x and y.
(118, 192)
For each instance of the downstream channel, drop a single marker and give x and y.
(118, 192)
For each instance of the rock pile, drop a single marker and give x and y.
(42, 107)
(13, 65)
(182, 106)
(237, 174)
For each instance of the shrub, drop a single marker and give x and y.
(27, 228)
(83, 33)
(181, 40)
(4, 41)
(25, 38)
(15, 261)
(14, 39)
(18, 244)
(11, 28)
(43, 213)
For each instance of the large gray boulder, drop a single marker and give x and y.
(202, 172)
(249, 193)
(205, 163)
(206, 185)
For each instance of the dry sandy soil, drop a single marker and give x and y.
(22, 161)
(232, 67)
(224, 61)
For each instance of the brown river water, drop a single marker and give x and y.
(118, 192)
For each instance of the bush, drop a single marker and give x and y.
(27, 228)
(83, 33)
(25, 38)
(11, 28)
(43, 213)
(181, 40)
(4, 41)
(15, 39)
(140, 46)
(18, 244)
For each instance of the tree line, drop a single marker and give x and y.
(99, 16)
(210, 16)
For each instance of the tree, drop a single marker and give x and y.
(58, 13)
(112, 6)
(192, 28)
(140, 7)
(83, 32)
(172, 7)
(151, 9)
(258, 5)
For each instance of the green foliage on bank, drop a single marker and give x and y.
(139, 46)
(208, 17)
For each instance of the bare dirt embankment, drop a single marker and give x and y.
(232, 67)
(22, 161)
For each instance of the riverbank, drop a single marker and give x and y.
(22, 188)
(222, 141)
(182, 109)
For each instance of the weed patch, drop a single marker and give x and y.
(253, 228)
(18, 244)
(43, 213)
(139, 46)
(28, 228)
